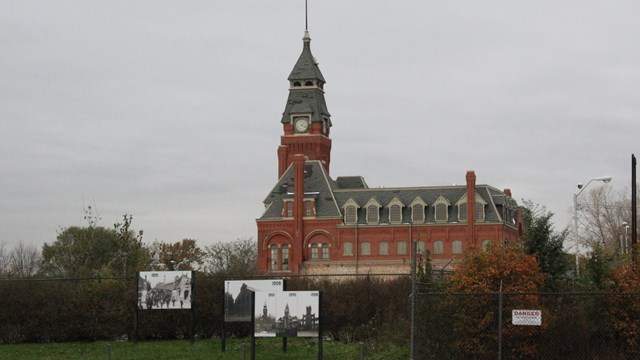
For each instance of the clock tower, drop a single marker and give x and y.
(306, 120)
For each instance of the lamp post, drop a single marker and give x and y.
(625, 246)
(581, 188)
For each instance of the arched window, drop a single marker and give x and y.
(314, 251)
(479, 211)
(417, 213)
(395, 214)
(441, 212)
(325, 251)
(285, 257)
(373, 214)
(308, 83)
(462, 212)
(274, 257)
(350, 215)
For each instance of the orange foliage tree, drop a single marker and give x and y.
(476, 286)
(625, 307)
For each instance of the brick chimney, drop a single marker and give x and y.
(471, 206)
(298, 209)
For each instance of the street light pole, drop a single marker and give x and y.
(581, 188)
(625, 244)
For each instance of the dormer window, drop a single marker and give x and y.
(395, 214)
(395, 211)
(478, 208)
(417, 210)
(373, 212)
(479, 211)
(442, 209)
(297, 84)
(308, 83)
(462, 212)
(350, 212)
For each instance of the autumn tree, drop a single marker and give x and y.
(624, 307)
(483, 275)
(545, 244)
(235, 257)
(182, 255)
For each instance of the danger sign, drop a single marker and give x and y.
(526, 317)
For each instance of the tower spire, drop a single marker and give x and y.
(306, 21)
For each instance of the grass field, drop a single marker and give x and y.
(297, 348)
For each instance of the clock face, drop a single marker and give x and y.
(301, 125)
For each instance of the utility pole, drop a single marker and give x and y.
(634, 211)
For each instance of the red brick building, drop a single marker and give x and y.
(316, 224)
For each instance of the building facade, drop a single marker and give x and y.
(315, 224)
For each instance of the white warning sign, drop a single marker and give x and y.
(526, 317)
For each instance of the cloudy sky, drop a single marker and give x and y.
(170, 110)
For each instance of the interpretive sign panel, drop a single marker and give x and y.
(526, 317)
(164, 290)
(237, 297)
(287, 313)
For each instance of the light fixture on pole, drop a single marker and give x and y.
(581, 188)
(624, 247)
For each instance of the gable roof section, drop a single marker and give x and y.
(317, 184)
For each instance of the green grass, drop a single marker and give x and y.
(297, 348)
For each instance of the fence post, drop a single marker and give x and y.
(414, 249)
(500, 322)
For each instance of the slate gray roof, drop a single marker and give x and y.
(332, 195)
(306, 101)
(317, 184)
(408, 195)
(306, 67)
(351, 182)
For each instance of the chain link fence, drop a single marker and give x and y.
(369, 310)
(493, 325)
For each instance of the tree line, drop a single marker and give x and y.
(97, 251)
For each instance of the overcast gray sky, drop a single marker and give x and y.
(170, 110)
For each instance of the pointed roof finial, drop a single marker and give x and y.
(306, 37)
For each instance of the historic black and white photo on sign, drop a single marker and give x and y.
(164, 290)
(265, 316)
(237, 297)
(296, 314)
